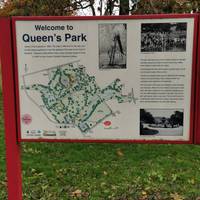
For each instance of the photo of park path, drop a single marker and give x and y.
(163, 131)
(161, 122)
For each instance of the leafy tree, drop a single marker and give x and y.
(176, 118)
(163, 119)
(146, 117)
(37, 7)
(124, 7)
(97, 7)
(166, 6)
(64, 7)
(107, 7)
(100, 7)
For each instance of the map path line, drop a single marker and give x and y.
(39, 106)
(47, 69)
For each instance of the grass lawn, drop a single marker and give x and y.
(106, 171)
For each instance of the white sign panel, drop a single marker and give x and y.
(105, 79)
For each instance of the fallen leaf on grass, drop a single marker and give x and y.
(120, 153)
(103, 184)
(176, 196)
(105, 173)
(78, 193)
(144, 195)
(3, 183)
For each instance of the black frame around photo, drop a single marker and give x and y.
(163, 37)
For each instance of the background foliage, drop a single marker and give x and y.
(98, 7)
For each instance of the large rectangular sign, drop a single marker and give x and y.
(105, 79)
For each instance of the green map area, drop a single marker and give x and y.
(73, 97)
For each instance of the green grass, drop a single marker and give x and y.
(2, 156)
(106, 171)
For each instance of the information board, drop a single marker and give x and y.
(108, 79)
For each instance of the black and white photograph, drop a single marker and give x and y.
(163, 37)
(112, 46)
(161, 122)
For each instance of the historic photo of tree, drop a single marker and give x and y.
(112, 46)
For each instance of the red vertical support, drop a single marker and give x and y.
(13, 160)
(197, 103)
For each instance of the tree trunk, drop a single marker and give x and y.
(124, 7)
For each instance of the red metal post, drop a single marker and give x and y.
(197, 113)
(13, 159)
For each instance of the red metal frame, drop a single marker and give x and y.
(13, 160)
(11, 96)
(163, 16)
(197, 103)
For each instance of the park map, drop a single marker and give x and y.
(72, 97)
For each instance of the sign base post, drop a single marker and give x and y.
(13, 159)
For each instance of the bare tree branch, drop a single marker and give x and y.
(110, 5)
